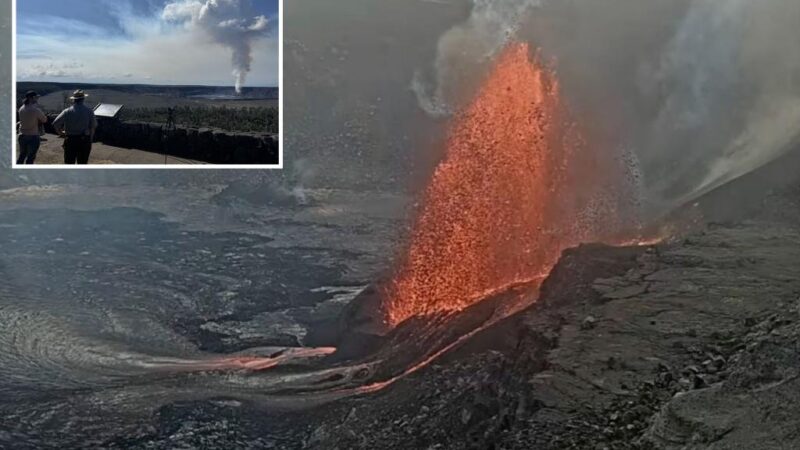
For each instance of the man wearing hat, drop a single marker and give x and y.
(78, 124)
(31, 120)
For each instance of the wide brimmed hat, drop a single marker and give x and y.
(79, 94)
(30, 94)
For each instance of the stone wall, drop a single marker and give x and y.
(201, 144)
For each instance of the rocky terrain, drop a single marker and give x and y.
(690, 344)
(203, 144)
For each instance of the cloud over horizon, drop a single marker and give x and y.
(151, 42)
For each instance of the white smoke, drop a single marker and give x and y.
(697, 75)
(303, 172)
(227, 22)
(703, 91)
(733, 101)
(769, 60)
(465, 47)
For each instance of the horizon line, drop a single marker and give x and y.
(148, 84)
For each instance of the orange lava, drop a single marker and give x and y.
(511, 192)
(264, 363)
(252, 363)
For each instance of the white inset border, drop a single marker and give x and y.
(14, 96)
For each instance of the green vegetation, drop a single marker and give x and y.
(248, 119)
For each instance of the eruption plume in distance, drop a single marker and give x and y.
(517, 185)
(226, 22)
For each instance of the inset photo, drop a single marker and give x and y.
(147, 84)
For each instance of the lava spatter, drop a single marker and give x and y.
(515, 187)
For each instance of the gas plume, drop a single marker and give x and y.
(466, 46)
(699, 91)
(732, 101)
(230, 23)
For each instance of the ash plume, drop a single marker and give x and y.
(230, 23)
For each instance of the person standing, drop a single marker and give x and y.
(78, 124)
(31, 121)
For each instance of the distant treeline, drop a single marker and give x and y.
(248, 119)
(44, 88)
(40, 88)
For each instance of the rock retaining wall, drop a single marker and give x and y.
(202, 144)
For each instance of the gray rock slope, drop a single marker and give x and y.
(688, 345)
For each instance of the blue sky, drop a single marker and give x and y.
(136, 41)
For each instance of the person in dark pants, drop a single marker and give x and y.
(78, 124)
(77, 149)
(31, 120)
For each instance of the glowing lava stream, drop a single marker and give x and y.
(241, 362)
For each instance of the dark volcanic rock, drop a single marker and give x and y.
(213, 146)
(686, 356)
(205, 143)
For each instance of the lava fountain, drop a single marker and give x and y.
(517, 185)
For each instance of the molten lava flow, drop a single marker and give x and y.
(515, 188)
(252, 363)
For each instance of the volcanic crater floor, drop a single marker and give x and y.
(690, 344)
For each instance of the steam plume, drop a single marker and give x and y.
(227, 22)
(467, 46)
(700, 91)
(733, 99)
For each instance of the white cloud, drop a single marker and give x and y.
(182, 10)
(153, 49)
